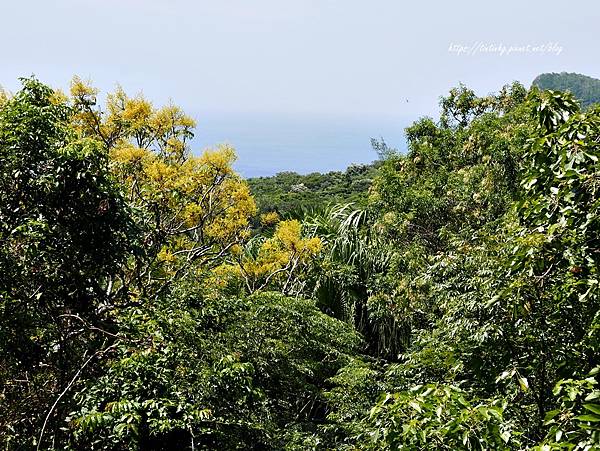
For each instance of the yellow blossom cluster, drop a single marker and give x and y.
(199, 205)
(281, 255)
(269, 218)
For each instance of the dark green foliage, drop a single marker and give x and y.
(63, 227)
(84, 368)
(340, 281)
(585, 89)
(222, 374)
(575, 424)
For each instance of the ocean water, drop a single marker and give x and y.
(270, 143)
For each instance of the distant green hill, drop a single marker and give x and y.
(287, 192)
(585, 89)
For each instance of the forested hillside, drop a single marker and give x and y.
(444, 299)
(585, 89)
(289, 193)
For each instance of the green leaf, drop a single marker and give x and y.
(524, 383)
(415, 406)
(593, 395)
(589, 417)
(592, 408)
(550, 416)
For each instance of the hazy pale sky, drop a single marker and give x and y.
(373, 59)
(316, 56)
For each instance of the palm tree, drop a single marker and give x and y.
(344, 279)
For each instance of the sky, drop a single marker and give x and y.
(301, 61)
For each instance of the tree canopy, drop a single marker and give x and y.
(446, 298)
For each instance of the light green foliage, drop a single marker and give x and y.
(553, 287)
(505, 321)
(575, 425)
(440, 417)
(457, 177)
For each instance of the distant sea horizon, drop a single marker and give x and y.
(269, 143)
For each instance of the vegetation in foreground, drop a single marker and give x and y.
(142, 309)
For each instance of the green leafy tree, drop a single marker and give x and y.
(64, 229)
(218, 374)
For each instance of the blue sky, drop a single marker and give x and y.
(323, 58)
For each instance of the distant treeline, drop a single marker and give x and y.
(288, 193)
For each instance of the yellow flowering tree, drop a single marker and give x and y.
(4, 96)
(191, 210)
(274, 262)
